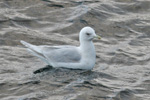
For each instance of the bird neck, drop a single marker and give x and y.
(87, 46)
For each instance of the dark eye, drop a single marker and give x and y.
(88, 34)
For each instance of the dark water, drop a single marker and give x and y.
(122, 70)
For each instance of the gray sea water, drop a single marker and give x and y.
(122, 70)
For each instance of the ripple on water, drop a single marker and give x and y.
(122, 68)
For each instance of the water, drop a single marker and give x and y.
(122, 69)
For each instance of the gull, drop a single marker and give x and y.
(68, 56)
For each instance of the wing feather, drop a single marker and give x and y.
(55, 53)
(62, 54)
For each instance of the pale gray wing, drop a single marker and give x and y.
(62, 54)
(54, 53)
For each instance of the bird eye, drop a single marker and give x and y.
(87, 33)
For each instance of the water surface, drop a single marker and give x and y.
(122, 69)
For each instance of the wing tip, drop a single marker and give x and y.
(25, 43)
(22, 42)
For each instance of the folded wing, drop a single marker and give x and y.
(63, 54)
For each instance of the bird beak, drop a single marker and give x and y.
(97, 36)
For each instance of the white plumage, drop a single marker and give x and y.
(81, 57)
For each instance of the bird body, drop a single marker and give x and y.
(81, 57)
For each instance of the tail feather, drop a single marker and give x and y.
(35, 50)
(39, 55)
(32, 47)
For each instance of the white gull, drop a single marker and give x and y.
(81, 57)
